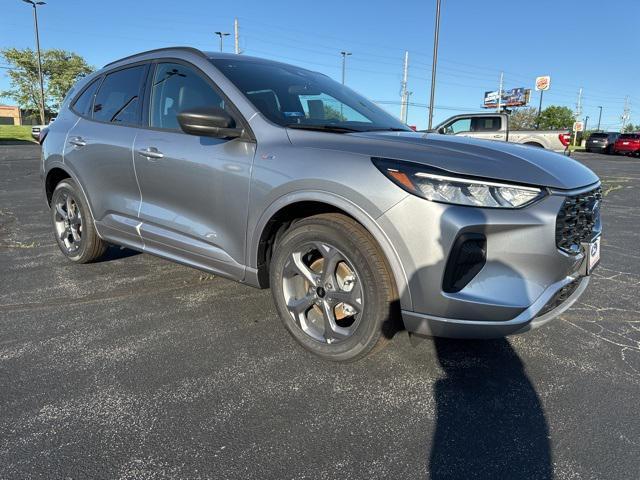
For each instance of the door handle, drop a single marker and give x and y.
(497, 136)
(150, 152)
(77, 141)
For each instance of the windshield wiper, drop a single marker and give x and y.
(390, 129)
(323, 128)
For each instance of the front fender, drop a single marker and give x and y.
(350, 208)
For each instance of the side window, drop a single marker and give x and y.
(83, 103)
(177, 88)
(460, 125)
(118, 100)
(485, 124)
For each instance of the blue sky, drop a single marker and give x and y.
(579, 43)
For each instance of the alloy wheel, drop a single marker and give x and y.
(323, 292)
(68, 221)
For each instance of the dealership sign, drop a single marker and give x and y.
(516, 97)
(543, 83)
(578, 126)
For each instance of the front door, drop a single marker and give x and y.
(195, 189)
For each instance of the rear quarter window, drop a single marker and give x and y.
(83, 103)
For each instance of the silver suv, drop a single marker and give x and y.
(276, 176)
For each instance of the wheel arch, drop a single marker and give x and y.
(281, 213)
(53, 178)
(55, 175)
(532, 143)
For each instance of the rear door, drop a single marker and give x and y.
(195, 189)
(100, 151)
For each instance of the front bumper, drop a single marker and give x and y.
(422, 324)
(524, 268)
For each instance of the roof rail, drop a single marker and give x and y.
(187, 49)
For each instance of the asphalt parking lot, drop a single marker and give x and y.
(135, 367)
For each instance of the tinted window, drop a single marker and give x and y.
(294, 97)
(83, 103)
(599, 135)
(118, 99)
(177, 88)
(485, 124)
(629, 136)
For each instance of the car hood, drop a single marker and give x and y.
(461, 155)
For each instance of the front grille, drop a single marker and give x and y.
(578, 220)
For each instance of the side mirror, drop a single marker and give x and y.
(209, 122)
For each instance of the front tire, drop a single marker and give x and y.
(73, 226)
(332, 287)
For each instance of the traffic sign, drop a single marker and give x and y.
(578, 126)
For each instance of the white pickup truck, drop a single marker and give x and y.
(495, 126)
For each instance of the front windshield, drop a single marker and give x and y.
(298, 98)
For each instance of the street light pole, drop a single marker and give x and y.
(436, 34)
(344, 63)
(599, 117)
(34, 4)
(221, 35)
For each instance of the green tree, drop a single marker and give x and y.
(523, 118)
(333, 113)
(631, 128)
(555, 117)
(60, 70)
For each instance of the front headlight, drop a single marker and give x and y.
(441, 186)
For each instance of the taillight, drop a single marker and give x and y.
(564, 138)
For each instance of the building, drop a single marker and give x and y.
(10, 115)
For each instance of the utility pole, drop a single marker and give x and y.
(599, 117)
(344, 63)
(625, 114)
(35, 22)
(222, 35)
(436, 34)
(500, 87)
(403, 89)
(579, 104)
(406, 110)
(236, 36)
(586, 120)
(578, 112)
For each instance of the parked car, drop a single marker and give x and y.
(495, 126)
(601, 142)
(628, 144)
(277, 176)
(36, 130)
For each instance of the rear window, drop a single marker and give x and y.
(629, 136)
(118, 100)
(599, 135)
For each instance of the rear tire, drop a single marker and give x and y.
(332, 287)
(73, 226)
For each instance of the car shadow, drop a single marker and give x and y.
(115, 252)
(489, 420)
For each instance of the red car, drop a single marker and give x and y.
(628, 144)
